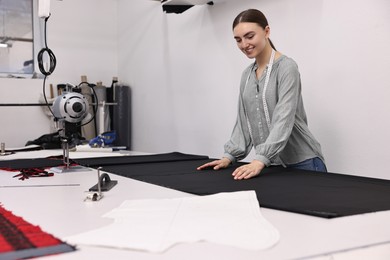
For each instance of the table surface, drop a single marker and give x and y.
(57, 205)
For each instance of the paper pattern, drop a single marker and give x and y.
(155, 225)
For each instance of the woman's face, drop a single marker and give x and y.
(251, 38)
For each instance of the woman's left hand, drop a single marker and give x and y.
(248, 170)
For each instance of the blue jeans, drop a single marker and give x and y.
(313, 164)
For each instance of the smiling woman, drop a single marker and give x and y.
(16, 37)
(271, 116)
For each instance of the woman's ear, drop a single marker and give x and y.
(267, 31)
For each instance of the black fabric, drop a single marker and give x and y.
(138, 159)
(99, 161)
(31, 163)
(326, 195)
(121, 116)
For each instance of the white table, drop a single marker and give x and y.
(61, 211)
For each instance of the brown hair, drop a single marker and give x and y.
(252, 16)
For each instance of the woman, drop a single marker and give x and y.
(271, 116)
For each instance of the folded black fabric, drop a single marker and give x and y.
(98, 161)
(18, 164)
(326, 195)
(135, 159)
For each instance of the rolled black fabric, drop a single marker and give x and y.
(138, 159)
(31, 163)
(122, 116)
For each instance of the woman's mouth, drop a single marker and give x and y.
(249, 50)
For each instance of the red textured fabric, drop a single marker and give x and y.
(18, 234)
(4, 246)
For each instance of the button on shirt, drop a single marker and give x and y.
(288, 139)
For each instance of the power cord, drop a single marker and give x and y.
(95, 97)
(52, 57)
(53, 63)
(52, 66)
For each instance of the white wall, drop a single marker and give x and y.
(184, 72)
(82, 35)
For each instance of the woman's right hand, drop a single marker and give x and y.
(217, 164)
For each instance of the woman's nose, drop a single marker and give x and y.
(245, 43)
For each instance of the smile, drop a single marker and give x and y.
(249, 50)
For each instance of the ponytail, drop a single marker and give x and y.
(272, 45)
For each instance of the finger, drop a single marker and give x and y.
(239, 173)
(219, 165)
(203, 166)
(243, 173)
(248, 176)
(206, 165)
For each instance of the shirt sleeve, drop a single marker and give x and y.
(240, 144)
(283, 116)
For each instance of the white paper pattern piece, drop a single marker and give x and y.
(155, 225)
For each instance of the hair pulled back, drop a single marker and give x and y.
(252, 16)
